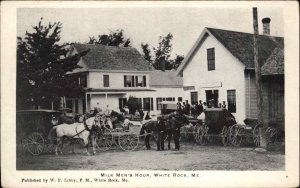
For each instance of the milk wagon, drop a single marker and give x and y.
(215, 127)
(125, 135)
(32, 127)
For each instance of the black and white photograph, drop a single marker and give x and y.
(139, 92)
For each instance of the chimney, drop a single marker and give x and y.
(266, 26)
(162, 63)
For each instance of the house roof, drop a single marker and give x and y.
(240, 45)
(167, 78)
(112, 58)
(274, 64)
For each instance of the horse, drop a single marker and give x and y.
(149, 128)
(173, 123)
(76, 130)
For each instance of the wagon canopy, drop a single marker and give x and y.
(217, 118)
(28, 121)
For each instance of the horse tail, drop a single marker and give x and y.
(50, 133)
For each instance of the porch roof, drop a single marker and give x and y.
(105, 90)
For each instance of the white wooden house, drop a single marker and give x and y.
(220, 67)
(110, 75)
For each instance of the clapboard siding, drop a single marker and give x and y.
(251, 96)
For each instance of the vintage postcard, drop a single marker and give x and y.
(149, 94)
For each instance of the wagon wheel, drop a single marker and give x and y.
(225, 136)
(235, 135)
(200, 135)
(35, 143)
(195, 128)
(128, 141)
(195, 132)
(256, 136)
(271, 134)
(105, 140)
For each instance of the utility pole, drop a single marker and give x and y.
(263, 142)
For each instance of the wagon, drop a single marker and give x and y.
(32, 128)
(249, 133)
(125, 137)
(216, 125)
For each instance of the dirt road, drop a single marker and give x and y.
(190, 157)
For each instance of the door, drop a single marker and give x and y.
(212, 98)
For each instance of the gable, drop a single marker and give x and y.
(239, 44)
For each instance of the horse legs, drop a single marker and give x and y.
(73, 147)
(62, 145)
(58, 145)
(94, 137)
(86, 143)
(169, 139)
(176, 138)
(147, 139)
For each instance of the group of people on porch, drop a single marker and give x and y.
(195, 109)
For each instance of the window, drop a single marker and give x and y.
(122, 102)
(134, 81)
(212, 98)
(76, 105)
(194, 97)
(140, 81)
(82, 81)
(128, 81)
(211, 59)
(105, 80)
(158, 103)
(69, 104)
(169, 99)
(231, 101)
(179, 99)
(147, 104)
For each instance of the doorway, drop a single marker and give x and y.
(212, 98)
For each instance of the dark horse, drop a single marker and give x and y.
(173, 122)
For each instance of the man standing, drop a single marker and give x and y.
(176, 129)
(200, 108)
(160, 128)
(187, 108)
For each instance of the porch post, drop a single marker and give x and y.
(106, 99)
(86, 105)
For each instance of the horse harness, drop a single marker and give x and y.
(86, 127)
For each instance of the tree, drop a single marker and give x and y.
(162, 54)
(163, 51)
(42, 65)
(177, 61)
(133, 104)
(147, 52)
(114, 38)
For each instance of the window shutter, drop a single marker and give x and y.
(144, 81)
(132, 81)
(136, 81)
(124, 81)
(151, 104)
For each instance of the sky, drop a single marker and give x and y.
(147, 24)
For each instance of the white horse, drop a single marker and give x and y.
(73, 131)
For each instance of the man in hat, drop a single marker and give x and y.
(160, 129)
